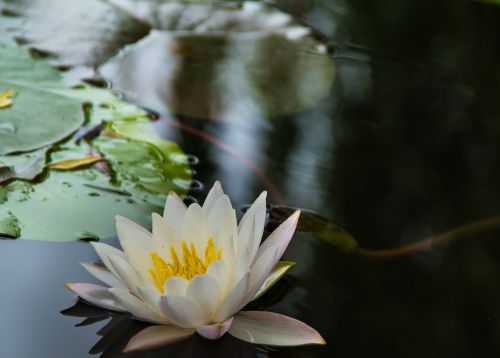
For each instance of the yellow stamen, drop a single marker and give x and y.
(6, 98)
(188, 267)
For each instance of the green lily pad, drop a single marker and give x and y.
(39, 115)
(139, 171)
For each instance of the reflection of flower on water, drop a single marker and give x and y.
(115, 334)
(194, 273)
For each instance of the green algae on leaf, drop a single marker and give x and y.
(10, 226)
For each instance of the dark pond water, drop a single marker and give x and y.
(403, 146)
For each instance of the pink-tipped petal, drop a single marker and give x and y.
(280, 237)
(273, 329)
(215, 331)
(157, 336)
(96, 295)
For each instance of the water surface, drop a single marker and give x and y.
(404, 145)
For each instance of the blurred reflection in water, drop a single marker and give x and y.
(119, 328)
(220, 75)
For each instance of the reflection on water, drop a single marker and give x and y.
(119, 329)
(223, 76)
(405, 145)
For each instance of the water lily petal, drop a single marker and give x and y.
(215, 331)
(104, 251)
(250, 232)
(195, 227)
(129, 230)
(135, 241)
(219, 270)
(157, 336)
(96, 295)
(234, 300)
(135, 306)
(273, 329)
(174, 212)
(280, 237)
(251, 226)
(222, 221)
(273, 278)
(124, 272)
(182, 311)
(261, 269)
(213, 196)
(164, 236)
(102, 274)
(150, 296)
(205, 291)
(176, 286)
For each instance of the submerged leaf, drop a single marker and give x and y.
(74, 163)
(314, 223)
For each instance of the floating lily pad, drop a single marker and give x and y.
(136, 173)
(39, 114)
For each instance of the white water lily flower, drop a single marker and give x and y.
(194, 273)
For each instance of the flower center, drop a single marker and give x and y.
(188, 266)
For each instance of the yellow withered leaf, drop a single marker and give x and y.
(6, 98)
(74, 163)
